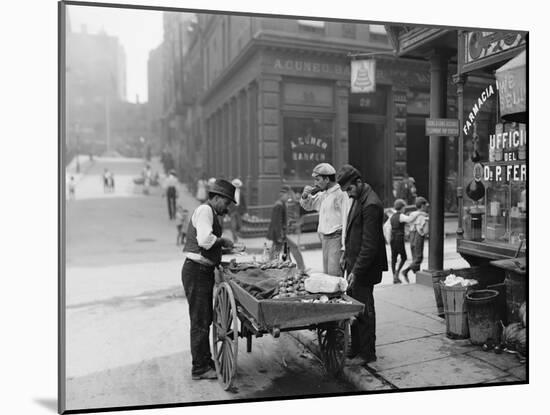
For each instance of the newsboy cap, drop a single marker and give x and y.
(323, 169)
(223, 188)
(347, 174)
(419, 201)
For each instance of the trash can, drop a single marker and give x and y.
(454, 306)
(482, 315)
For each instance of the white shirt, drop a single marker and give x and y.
(333, 206)
(171, 181)
(419, 221)
(202, 220)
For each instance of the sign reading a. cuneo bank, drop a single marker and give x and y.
(444, 127)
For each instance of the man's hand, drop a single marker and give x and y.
(307, 191)
(343, 261)
(226, 243)
(351, 280)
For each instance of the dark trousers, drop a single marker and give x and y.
(397, 245)
(277, 247)
(198, 283)
(171, 199)
(363, 330)
(417, 250)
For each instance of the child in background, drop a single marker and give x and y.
(397, 240)
(419, 231)
(182, 222)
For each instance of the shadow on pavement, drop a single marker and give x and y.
(47, 403)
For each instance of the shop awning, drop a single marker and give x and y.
(512, 87)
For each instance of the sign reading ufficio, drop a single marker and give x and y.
(442, 127)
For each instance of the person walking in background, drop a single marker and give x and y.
(105, 179)
(332, 203)
(406, 189)
(171, 192)
(419, 231)
(202, 193)
(237, 210)
(277, 231)
(110, 181)
(210, 183)
(397, 239)
(72, 188)
(182, 222)
(364, 258)
(147, 177)
(203, 246)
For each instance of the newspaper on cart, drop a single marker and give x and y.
(318, 282)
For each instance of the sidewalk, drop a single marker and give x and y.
(310, 240)
(413, 350)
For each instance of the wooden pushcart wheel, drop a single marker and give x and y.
(225, 334)
(333, 342)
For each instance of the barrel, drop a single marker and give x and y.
(482, 316)
(515, 295)
(455, 308)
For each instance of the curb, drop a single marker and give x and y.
(354, 372)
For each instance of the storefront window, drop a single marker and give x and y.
(506, 175)
(502, 159)
(307, 142)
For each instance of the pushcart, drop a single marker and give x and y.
(237, 313)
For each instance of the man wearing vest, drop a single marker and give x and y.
(204, 252)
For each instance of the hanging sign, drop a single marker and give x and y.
(363, 77)
(512, 86)
(478, 49)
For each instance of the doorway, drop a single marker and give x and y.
(418, 149)
(367, 153)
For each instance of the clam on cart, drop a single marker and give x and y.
(235, 306)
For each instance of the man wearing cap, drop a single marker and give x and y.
(171, 192)
(364, 257)
(204, 252)
(327, 198)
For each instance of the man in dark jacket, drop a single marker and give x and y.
(364, 258)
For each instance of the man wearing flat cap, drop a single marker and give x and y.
(364, 257)
(327, 198)
(204, 252)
